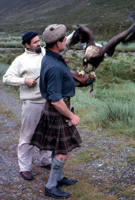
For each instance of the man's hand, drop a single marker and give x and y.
(30, 82)
(75, 120)
(61, 107)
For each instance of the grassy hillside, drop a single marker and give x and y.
(105, 18)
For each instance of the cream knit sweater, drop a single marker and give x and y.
(27, 65)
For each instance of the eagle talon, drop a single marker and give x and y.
(81, 72)
(93, 74)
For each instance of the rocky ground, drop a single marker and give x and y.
(104, 162)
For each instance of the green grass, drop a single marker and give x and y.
(7, 55)
(105, 18)
(3, 69)
(13, 41)
(85, 156)
(87, 193)
(111, 108)
(13, 89)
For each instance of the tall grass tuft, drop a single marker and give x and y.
(111, 107)
(121, 114)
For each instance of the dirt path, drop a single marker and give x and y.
(105, 163)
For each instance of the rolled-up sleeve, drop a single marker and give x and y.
(54, 84)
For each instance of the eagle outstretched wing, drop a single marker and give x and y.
(94, 54)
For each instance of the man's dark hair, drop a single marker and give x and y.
(53, 43)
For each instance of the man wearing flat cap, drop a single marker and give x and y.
(23, 72)
(56, 130)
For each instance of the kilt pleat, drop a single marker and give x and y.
(53, 132)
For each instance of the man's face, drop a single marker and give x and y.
(62, 45)
(34, 45)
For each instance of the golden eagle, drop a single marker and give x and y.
(94, 54)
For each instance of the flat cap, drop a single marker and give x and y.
(28, 36)
(53, 33)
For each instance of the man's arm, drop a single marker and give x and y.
(61, 107)
(13, 76)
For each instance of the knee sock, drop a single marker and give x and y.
(61, 174)
(55, 173)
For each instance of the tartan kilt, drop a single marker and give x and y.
(53, 132)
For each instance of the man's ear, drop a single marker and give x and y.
(27, 45)
(58, 44)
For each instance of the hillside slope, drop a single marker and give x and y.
(99, 15)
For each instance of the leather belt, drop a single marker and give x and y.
(67, 98)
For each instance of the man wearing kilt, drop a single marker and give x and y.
(56, 129)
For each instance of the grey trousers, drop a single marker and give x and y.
(31, 113)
